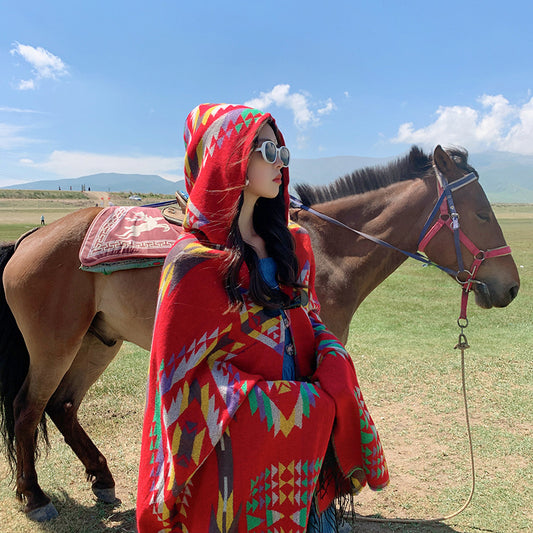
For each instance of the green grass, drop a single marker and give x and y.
(11, 232)
(44, 195)
(402, 341)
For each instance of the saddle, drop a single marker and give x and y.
(122, 237)
(176, 213)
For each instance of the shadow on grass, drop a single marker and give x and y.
(75, 517)
(360, 525)
(78, 518)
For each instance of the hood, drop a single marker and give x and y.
(218, 140)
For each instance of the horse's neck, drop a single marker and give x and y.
(398, 214)
(395, 214)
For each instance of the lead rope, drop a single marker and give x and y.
(462, 344)
(444, 191)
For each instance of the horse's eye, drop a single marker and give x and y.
(484, 217)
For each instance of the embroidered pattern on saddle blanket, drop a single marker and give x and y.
(124, 233)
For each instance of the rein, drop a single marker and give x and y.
(160, 204)
(449, 218)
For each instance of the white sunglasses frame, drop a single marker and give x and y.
(262, 149)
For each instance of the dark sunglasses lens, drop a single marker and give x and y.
(270, 151)
(284, 155)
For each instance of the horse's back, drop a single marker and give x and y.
(42, 280)
(58, 243)
(63, 233)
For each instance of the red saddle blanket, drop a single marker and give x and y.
(127, 234)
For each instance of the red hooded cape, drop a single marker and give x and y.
(227, 444)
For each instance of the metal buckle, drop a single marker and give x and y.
(468, 280)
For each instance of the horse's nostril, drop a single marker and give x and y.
(513, 291)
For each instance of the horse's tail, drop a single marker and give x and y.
(14, 364)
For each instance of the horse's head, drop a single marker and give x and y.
(496, 281)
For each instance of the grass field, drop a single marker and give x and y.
(22, 210)
(402, 341)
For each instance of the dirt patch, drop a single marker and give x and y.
(425, 468)
(422, 464)
(99, 198)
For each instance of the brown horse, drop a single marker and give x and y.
(62, 326)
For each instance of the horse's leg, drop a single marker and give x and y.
(53, 304)
(29, 406)
(91, 360)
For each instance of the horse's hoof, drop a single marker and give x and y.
(105, 495)
(43, 514)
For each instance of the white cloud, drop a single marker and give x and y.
(302, 141)
(297, 103)
(10, 137)
(495, 125)
(73, 164)
(26, 85)
(6, 109)
(328, 108)
(45, 65)
(520, 136)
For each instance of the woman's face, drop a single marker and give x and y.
(264, 179)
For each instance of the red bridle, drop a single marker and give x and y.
(449, 218)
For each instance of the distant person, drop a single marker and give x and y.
(42, 220)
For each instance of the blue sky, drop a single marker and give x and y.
(105, 86)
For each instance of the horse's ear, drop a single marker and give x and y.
(445, 164)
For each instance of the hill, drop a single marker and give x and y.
(505, 177)
(107, 182)
(324, 170)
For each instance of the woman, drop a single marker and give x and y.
(254, 418)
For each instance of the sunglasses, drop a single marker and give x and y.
(270, 153)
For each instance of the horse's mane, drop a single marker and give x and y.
(415, 164)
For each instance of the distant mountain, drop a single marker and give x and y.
(324, 170)
(505, 177)
(108, 182)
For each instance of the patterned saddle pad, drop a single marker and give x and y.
(123, 237)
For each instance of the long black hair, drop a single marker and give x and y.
(270, 223)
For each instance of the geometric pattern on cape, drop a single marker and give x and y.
(216, 345)
(263, 404)
(268, 330)
(276, 484)
(174, 271)
(194, 218)
(213, 138)
(370, 443)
